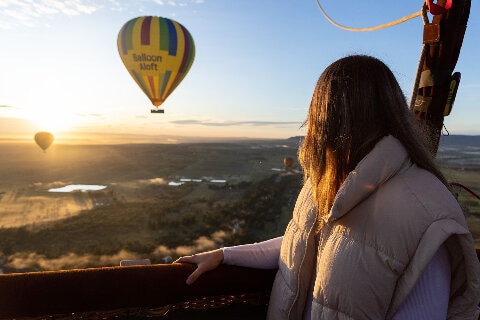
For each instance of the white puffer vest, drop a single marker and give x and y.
(388, 220)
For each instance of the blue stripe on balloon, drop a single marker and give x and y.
(172, 36)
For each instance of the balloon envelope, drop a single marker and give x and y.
(44, 139)
(288, 162)
(158, 53)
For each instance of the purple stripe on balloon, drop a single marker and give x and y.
(186, 52)
(145, 32)
(183, 64)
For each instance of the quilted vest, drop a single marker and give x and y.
(388, 220)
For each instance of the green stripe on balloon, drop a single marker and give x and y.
(163, 32)
(162, 88)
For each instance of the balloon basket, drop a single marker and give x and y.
(157, 111)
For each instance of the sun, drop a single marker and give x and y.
(53, 119)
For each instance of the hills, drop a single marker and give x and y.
(460, 140)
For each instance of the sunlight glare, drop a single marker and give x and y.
(53, 119)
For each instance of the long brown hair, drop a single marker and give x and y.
(357, 101)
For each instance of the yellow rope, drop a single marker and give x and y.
(382, 26)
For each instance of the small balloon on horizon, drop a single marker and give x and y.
(288, 162)
(44, 139)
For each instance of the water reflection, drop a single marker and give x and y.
(78, 187)
(184, 180)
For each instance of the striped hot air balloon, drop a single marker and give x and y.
(157, 52)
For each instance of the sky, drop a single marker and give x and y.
(255, 68)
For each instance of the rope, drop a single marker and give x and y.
(382, 26)
(466, 189)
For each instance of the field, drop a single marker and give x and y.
(160, 201)
(459, 158)
(138, 214)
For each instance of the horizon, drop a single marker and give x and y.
(112, 138)
(24, 130)
(82, 138)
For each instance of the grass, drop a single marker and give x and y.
(160, 227)
(469, 178)
(140, 217)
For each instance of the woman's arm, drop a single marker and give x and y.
(429, 298)
(262, 255)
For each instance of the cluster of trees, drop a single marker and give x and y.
(261, 211)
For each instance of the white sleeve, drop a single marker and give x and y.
(261, 255)
(429, 298)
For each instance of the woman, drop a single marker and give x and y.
(375, 233)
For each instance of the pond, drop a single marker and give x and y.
(78, 187)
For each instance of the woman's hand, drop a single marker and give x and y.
(205, 261)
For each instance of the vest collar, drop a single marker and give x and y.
(386, 159)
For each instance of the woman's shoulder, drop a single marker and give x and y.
(431, 194)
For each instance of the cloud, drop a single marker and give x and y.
(26, 12)
(94, 115)
(69, 8)
(50, 185)
(201, 244)
(174, 3)
(5, 106)
(29, 13)
(33, 260)
(157, 181)
(234, 123)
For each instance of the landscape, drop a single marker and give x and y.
(161, 200)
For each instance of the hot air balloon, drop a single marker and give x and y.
(158, 53)
(44, 139)
(288, 162)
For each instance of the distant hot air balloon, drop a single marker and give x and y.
(44, 139)
(288, 162)
(158, 53)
